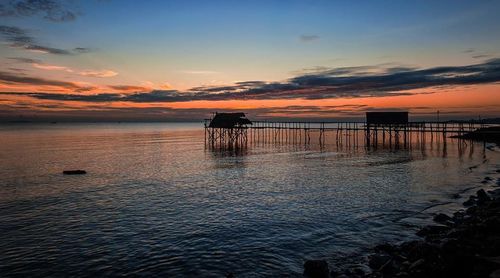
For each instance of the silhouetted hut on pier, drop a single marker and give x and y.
(229, 120)
(386, 118)
(227, 129)
(387, 122)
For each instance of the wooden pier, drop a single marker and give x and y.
(338, 132)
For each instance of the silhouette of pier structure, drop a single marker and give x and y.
(391, 128)
(227, 129)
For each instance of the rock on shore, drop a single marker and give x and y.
(464, 245)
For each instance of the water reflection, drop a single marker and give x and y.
(434, 144)
(155, 201)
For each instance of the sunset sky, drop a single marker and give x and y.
(181, 60)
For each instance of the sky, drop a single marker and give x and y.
(110, 60)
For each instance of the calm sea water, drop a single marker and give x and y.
(156, 202)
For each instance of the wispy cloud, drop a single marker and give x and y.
(51, 67)
(99, 73)
(18, 70)
(40, 65)
(20, 38)
(198, 72)
(25, 60)
(9, 78)
(56, 11)
(83, 50)
(481, 56)
(129, 88)
(478, 54)
(308, 38)
(165, 86)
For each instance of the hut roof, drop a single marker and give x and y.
(229, 120)
(387, 117)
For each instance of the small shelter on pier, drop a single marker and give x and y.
(386, 122)
(386, 118)
(228, 129)
(229, 120)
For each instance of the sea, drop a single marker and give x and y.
(158, 201)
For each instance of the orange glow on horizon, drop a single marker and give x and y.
(479, 99)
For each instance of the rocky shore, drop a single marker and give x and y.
(465, 244)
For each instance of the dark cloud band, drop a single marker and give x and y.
(332, 83)
(20, 38)
(52, 10)
(9, 78)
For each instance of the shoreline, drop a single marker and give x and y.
(465, 244)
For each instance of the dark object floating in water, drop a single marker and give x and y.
(74, 172)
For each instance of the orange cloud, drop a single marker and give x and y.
(91, 73)
(129, 88)
(51, 67)
(101, 73)
(165, 86)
